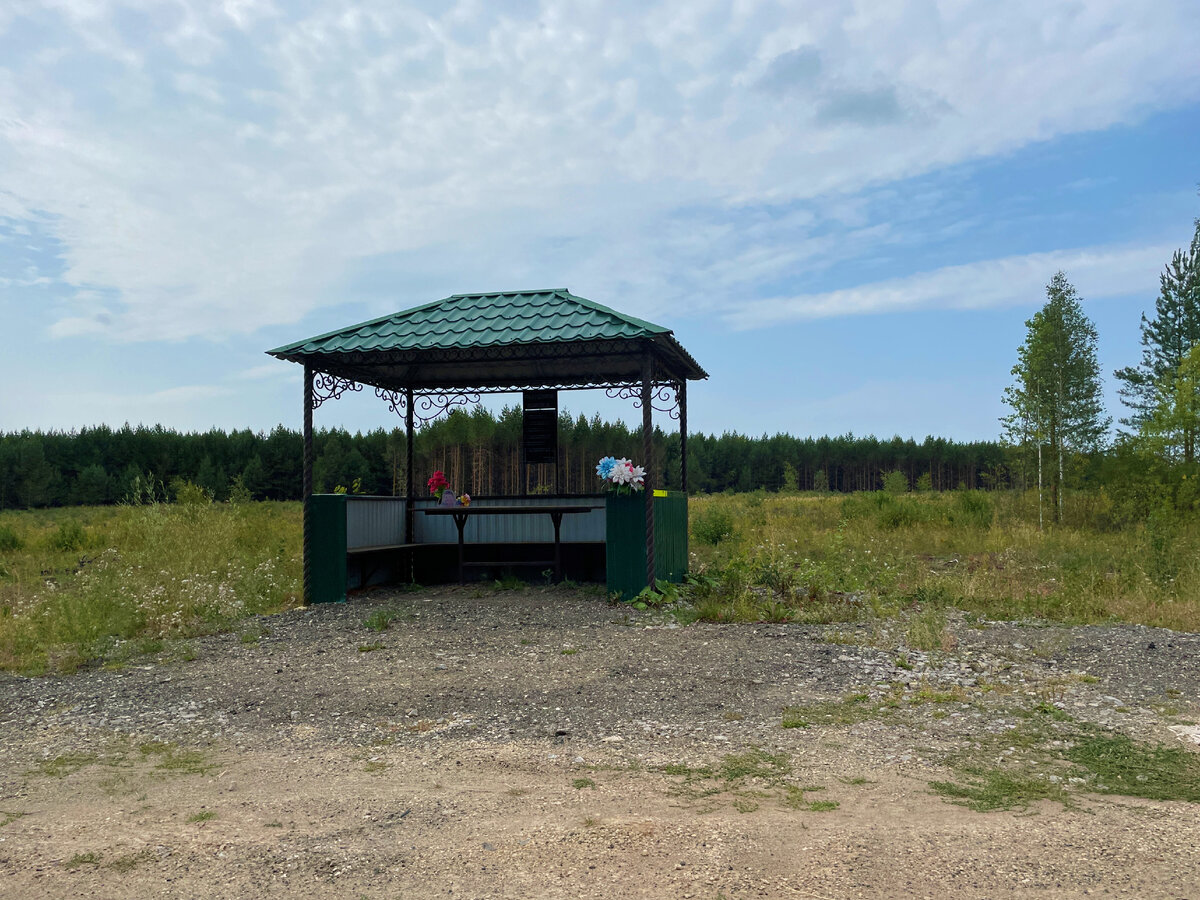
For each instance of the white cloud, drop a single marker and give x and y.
(268, 371)
(1014, 280)
(60, 400)
(221, 168)
(77, 326)
(181, 395)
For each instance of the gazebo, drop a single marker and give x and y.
(433, 358)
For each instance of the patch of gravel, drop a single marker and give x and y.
(565, 666)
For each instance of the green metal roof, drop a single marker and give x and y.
(482, 320)
(470, 327)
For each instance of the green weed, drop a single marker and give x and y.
(176, 760)
(927, 630)
(747, 778)
(131, 861)
(997, 789)
(713, 525)
(69, 537)
(1123, 766)
(1051, 756)
(10, 541)
(65, 764)
(822, 805)
(380, 620)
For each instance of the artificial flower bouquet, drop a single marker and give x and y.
(438, 484)
(620, 475)
(440, 488)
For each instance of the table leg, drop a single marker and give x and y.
(460, 519)
(556, 518)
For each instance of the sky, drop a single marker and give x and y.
(845, 211)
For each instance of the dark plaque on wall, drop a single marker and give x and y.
(539, 435)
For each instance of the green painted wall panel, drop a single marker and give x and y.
(327, 565)
(625, 551)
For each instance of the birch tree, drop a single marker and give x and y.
(1056, 395)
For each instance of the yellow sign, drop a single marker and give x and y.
(660, 493)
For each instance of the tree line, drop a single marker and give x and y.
(480, 452)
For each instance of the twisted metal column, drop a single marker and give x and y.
(308, 481)
(408, 466)
(681, 394)
(648, 454)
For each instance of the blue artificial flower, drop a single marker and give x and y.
(605, 467)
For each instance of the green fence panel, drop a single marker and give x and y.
(327, 550)
(671, 537)
(625, 540)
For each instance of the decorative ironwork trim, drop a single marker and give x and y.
(331, 387)
(428, 407)
(388, 387)
(396, 400)
(664, 397)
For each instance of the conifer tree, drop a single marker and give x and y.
(1166, 340)
(1178, 413)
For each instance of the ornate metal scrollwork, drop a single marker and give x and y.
(666, 394)
(396, 400)
(331, 387)
(428, 407)
(663, 397)
(625, 392)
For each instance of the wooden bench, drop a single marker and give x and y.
(351, 551)
(369, 570)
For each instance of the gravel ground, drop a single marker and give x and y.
(544, 743)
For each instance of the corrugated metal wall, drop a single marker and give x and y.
(379, 521)
(372, 522)
(530, 529)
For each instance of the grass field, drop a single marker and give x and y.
(822, 558)
(103, 585)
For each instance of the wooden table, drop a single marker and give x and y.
(462, 513)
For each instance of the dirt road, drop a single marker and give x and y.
(544, 743)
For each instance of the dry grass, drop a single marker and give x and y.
(829, 558)
(100, 585)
